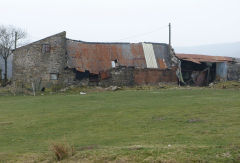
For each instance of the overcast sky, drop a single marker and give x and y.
(194, 22)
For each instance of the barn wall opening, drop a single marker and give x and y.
(198, 74)
(86, 75)
(81, 75)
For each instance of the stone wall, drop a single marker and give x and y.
(129, 76)
(228, 70)
(32, 65)
(233, 71)
(119, 76)
(154, 76)
(38, 62)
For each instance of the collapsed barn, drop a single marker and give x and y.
(201, 70)
(59, 60)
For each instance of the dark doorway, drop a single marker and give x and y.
(198, 74)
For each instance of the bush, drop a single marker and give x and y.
(62, 151)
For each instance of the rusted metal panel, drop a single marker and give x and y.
(159, 51)
(98, 57)
(104, 75)
(162, 55)
(149, 55)
(127, 57)
(161, 63)
(203, 58)
(138, 55)
(192, 60)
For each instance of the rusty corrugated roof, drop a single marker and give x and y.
(196, 58)
(97, 57)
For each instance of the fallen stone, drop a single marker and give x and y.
(112, 88)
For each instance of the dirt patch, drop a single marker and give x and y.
(136, 147)
(90, 147)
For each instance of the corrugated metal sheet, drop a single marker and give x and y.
(162, 56)
(138, 56)
(97, 57)
(203, 58)
(221, 70)
(149, 55)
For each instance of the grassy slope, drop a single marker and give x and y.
(200, 125)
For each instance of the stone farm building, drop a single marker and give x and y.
(59, 60)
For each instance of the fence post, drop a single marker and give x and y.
(33, 89)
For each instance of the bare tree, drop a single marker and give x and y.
(9, 36)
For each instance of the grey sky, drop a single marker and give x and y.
(194, 22)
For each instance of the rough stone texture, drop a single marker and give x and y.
(233, 71)
(129, 76)
(67, 58)
(68, 77)
(119, 76)
(30, 64)
(154, 76)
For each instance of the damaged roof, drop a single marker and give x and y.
(98, 57)
(196, 58)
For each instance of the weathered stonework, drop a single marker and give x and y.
(31, 65)
(233, 71)
(58, 62)
(119, 76)
(130, 76)
(154, 76)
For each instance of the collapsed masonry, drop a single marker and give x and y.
(57, 60)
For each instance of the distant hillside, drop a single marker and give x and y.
(226, 49)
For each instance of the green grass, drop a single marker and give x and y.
(194, 125)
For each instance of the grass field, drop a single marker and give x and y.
(181, 125)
